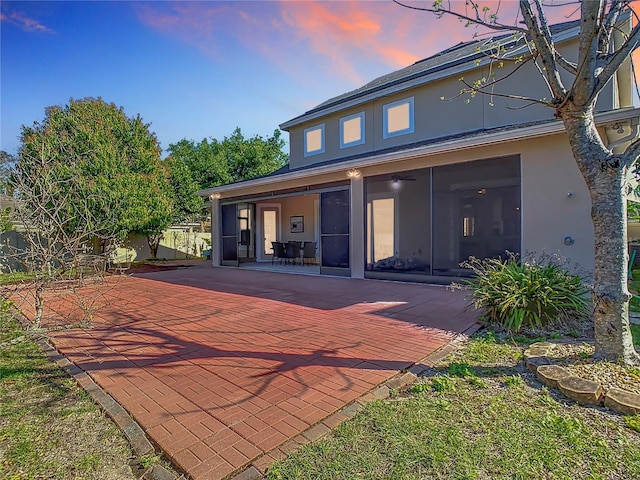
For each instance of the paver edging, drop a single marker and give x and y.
(583, 391)
(135, 435)
(379, 392)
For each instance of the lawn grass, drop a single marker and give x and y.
(478, 415)
(15, 277)
(49, 427)
(635, 333)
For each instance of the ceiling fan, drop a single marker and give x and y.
(403, 178)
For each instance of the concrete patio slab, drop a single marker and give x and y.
(221, 367)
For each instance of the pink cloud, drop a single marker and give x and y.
(348, 39)
(202, 24)
(27, 24)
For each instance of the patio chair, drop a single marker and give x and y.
(309, 252)
(292, 251)
(278, 251)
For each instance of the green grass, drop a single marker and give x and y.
(635, 333)
(479, 415)
(49, 427)
(15, 277)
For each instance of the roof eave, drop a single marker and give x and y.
(427, 150)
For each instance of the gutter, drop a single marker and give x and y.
(428, 150)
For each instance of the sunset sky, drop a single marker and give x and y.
(200, 69)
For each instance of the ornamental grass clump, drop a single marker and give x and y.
(515, 294)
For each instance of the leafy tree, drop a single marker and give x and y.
(110, 162)
(6, 163)
(253, 157)
(207, 166)
(235, 158)
(606, 40)
(187, 204)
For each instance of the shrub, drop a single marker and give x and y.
(516, 294)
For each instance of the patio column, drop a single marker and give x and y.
(356, 237)
(216, 235)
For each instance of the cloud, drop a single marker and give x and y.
(202, 24)
(348, 41)
(24, 22)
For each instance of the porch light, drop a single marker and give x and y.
(353, 173)
(214, 196)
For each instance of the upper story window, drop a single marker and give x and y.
(397, 118)
(352, 130)
(314, 140)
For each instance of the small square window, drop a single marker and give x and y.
(314, 140)
(352, 130)
(397, 118)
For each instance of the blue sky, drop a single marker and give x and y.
(200, 69)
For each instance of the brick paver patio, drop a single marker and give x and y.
(222, 366)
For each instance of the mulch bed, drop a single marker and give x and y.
(149, 268)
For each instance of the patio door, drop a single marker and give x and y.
(229, 244)
(268, 230)
(334, 232)
(246, 232)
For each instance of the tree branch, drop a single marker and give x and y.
(545, 47)
(583, 85)
(566, 64)
(615, 60)
(478, 20)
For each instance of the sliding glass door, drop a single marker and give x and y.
(334, 232)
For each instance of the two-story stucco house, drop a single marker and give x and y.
(400, 179)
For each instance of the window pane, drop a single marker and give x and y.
(382, 228)
(334, 228)
(476, 212)
(398, 118)
(352, 130)
(334, 208)
(399, 224)
(313, 140)
(269, 225)
(229, 220)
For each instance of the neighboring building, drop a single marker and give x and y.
(394, 182)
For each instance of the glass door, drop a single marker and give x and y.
(268, 230)
(334, 233)
(229, 217)
(246, 241)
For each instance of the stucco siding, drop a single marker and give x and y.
(440, 111)
(556, 202)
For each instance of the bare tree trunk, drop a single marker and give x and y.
(605, 174)
(39, 301)
(611, 295)
(154, 243)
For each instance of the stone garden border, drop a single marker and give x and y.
(581, 390)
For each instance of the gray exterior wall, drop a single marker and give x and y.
(436, 118)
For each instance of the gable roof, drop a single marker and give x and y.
(454, 60)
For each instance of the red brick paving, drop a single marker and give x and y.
(221, 366)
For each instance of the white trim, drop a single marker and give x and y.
(307, 131)
(260, 255)
(385, 118)
(487, 139)
(346, 119)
